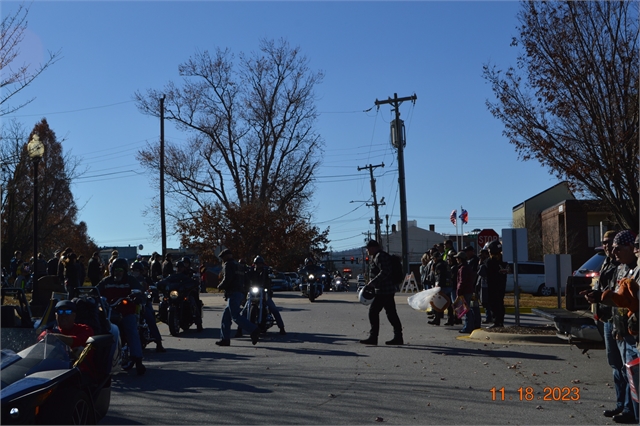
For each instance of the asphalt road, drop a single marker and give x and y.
(319, 374)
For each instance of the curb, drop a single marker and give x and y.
(481, 336)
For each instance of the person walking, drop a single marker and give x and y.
(233, 286)
(385, 290)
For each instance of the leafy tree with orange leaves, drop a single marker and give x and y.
(572, 101)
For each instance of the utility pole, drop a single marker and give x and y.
(163, 224)
(387, 219)
(375, 201)
(398, 141)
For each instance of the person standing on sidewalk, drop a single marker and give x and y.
(604, 313)
(385, 296)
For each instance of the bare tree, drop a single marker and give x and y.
(252, 135)
(572, 101)
(15, 77)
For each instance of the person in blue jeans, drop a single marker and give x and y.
(604, 313)
(232, 284)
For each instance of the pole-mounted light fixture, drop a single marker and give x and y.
(35, 149)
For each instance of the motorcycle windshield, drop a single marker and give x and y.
(48, 354)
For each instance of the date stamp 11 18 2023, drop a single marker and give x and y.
(549, 393)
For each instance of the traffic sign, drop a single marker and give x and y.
(486, 236)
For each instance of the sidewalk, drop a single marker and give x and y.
(526, 320)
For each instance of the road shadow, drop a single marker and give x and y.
(478, 352)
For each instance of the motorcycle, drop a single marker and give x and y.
(256, 308)
(314, 285)
(180, 306)
(138, 299)
(338, 284)
(46, 383)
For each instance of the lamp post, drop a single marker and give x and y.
(35, 148)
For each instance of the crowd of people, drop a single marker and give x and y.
(616, 298)
(470, 279)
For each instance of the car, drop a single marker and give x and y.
(280, 282)
(591, 268)
(295, 280)
(530, 279)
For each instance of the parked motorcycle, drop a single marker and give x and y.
(180, 306)
(314, 285)
(256, 308)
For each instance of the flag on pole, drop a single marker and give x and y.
(453, 216)
(464, 216)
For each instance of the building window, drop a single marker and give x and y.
(594, 236)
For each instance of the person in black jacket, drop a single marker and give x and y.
(385, 296)
(233, 286)
(94, 269)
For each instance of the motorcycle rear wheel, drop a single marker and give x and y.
(174, 323)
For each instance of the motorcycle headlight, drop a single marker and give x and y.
(173, 294)
(255, 290)
(324, 276)
(311, 276)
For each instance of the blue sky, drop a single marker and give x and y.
(455, 153)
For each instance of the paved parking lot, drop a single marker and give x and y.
(319, 374)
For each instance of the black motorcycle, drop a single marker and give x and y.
(257, 310)
(314, 285)
(339, 284)
(180, 306)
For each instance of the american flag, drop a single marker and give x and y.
(464, 216)
(453, 216)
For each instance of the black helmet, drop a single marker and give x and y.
(258, 260)
(495, 247)
(120, 263)
(137, 266)
(308, 261)
(186, 259)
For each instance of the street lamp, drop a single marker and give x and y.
(35, 149)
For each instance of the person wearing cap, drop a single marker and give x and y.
(623, 248)
(232, 284)
(94, 269)
(465, 285)
(445, 248)
(73, 335)
(385, 290)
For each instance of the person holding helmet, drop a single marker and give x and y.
(496, 271)
(385, 296)
(259, 274)
(119, 284)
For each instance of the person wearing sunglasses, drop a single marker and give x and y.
(73, 335)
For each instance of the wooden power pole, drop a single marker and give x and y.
(398, 141)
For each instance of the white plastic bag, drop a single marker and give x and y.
(422, 301)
